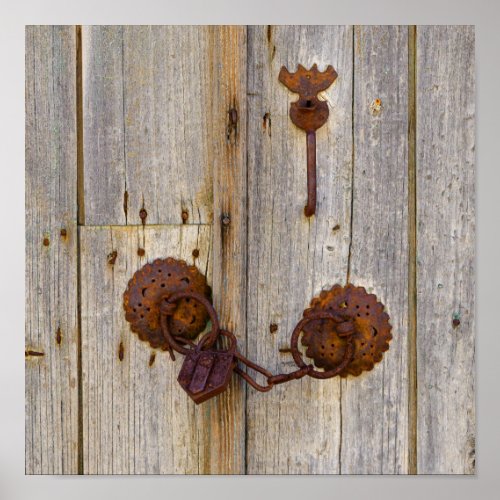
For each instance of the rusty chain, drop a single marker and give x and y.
(208, 341)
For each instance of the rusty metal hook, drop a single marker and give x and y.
(309, 114)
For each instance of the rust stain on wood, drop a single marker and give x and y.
(143, 215)
(112, 257)
(125, 203)
(32, 353)
(152, 359)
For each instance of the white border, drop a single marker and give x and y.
(484, 14)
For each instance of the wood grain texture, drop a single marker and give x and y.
(145, 106)
(445, 249)
(375, 404)
(193, 120)
(295, 428)
(136, 417)
(222, 437)
(227, 155)
(51, 379)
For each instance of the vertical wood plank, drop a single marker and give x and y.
(375, 404)
(199, 72)
(445, 249)
(146, 96)
(225, 430)
(136, 417)
(295, 428)
(51, 376)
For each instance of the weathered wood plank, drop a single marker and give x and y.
(295, 428)
(136, 417)
(221, 435)
(227, 155)
(145, 102)
(445, 249)
(51, 379)
(375, 404)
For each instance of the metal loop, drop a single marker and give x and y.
(232, 346)
(297, 356)
(257, 368)
(166, 310)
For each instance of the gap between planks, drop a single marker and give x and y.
(412, 257)
(80, 218)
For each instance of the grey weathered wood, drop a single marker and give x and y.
(445, 249)
(221, 434)
(227, 155)
(51, 256)
(296, 427)
(145, 102)
(375, 404)
(170, 115)
(136, 417)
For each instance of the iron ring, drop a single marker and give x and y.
(297, 356)
(209, 337)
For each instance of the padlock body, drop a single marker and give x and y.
(205, 374)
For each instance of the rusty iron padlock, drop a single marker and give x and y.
(345, 329)
(207, 373)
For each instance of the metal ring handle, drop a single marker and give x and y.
(297, 356)
(209, 337)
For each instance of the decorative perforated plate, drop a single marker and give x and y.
(372, 331)
(154, 283)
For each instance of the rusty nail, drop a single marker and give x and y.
(141, 252)
(273, 327)
(226, 219)
(309, 113)
(143, 214)
(64, 232)
(196, 253)
(233, 116)
(112, 257)
(46, 242)
(29, 353)
(185, 216)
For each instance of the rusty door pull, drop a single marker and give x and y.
(168, 304)
(309, 114)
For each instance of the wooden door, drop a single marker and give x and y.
(156, 141)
